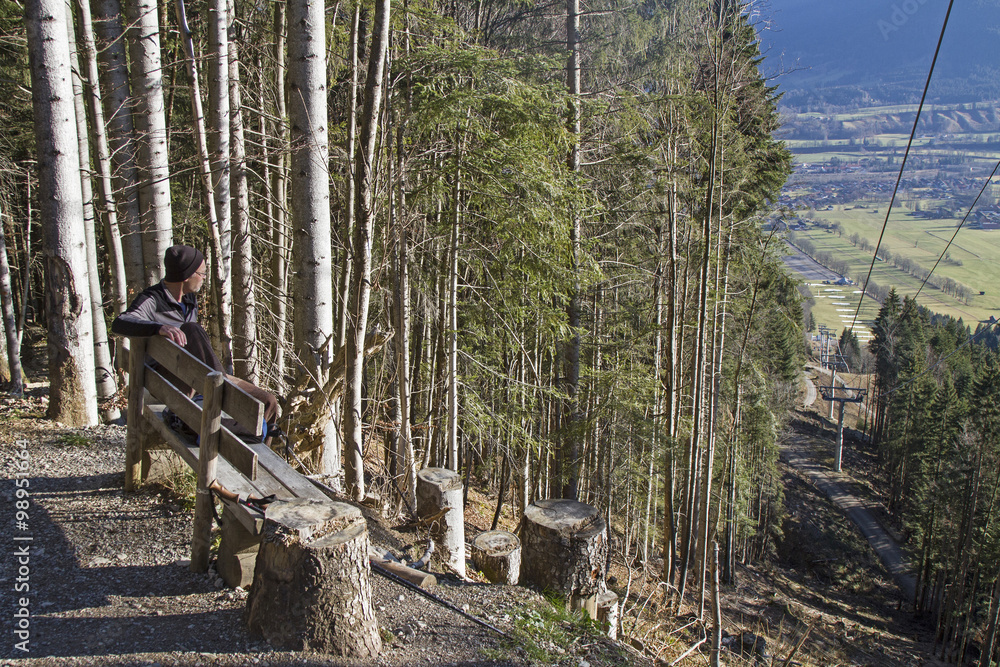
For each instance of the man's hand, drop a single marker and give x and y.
(174, 334)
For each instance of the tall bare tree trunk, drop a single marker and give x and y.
(310, 199)
(244, 303)
(116, 94)
(364, 229)
(112, 237)
(279, 194)
(572, 429)
(451, 333)
(151, 125)
(72, 395)
(217, 70)
(104, 369)
(12, 346)
(348, 232)
(224, 313)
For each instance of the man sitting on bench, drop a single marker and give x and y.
(170, 309)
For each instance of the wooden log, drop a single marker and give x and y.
(237, 551)
(565, 548)
(416, 577)
(497, 554)
(311, 586)
(608, 613)
(440, 490)
(211, 425)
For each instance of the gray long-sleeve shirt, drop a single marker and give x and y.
(153, 308)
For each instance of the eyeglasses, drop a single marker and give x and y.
(203, 274)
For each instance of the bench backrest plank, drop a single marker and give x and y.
(241, 406)
(231, 447)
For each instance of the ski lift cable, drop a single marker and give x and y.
(912, 301)
(902, 167)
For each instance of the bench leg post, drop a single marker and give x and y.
(211, 425)
(134, 432)
(237, 552)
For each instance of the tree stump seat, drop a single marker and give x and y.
(565, 550)
(439, 502)
(497, 554)
(311, 588)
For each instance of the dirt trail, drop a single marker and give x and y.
(802, 454)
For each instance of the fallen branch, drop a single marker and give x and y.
(433, 598)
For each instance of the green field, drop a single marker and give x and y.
(973, 260)
(835, 306)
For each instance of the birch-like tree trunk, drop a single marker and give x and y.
(279, 196)
(116, 95)
(346, 270)
(151, 128)
(224, 313)
(310, 199)
(217, 71)
(72, 395)
(364, 228)
(112, 236)
(12, 346)
(104, 372)
(244, 303)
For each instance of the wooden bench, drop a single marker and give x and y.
(246, 469)
(306, 555)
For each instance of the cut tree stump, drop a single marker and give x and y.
(608, 613)
(565, 549)
(439, 492)
(311, 586)
(497, 554)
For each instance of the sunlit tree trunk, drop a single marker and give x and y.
(364, 167)
(217, 73)
(279, 195)
(12, 346)
(244, 302)
(224, 311)
(570, 454)
(151, 127)
(104, 371)
(72, 395)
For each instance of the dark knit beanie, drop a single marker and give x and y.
(180, 262)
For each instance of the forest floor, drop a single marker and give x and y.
(109, 586)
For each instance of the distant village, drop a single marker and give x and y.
(952, 196)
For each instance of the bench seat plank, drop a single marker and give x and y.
(228, 476)
(297, 485)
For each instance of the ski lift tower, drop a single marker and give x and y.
(841, 395)
(834, 362)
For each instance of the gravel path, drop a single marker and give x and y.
(801, 454)
(108, 583)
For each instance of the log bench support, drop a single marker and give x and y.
(311, 586)
(565, 549)
(439, 501)
(237, 551)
